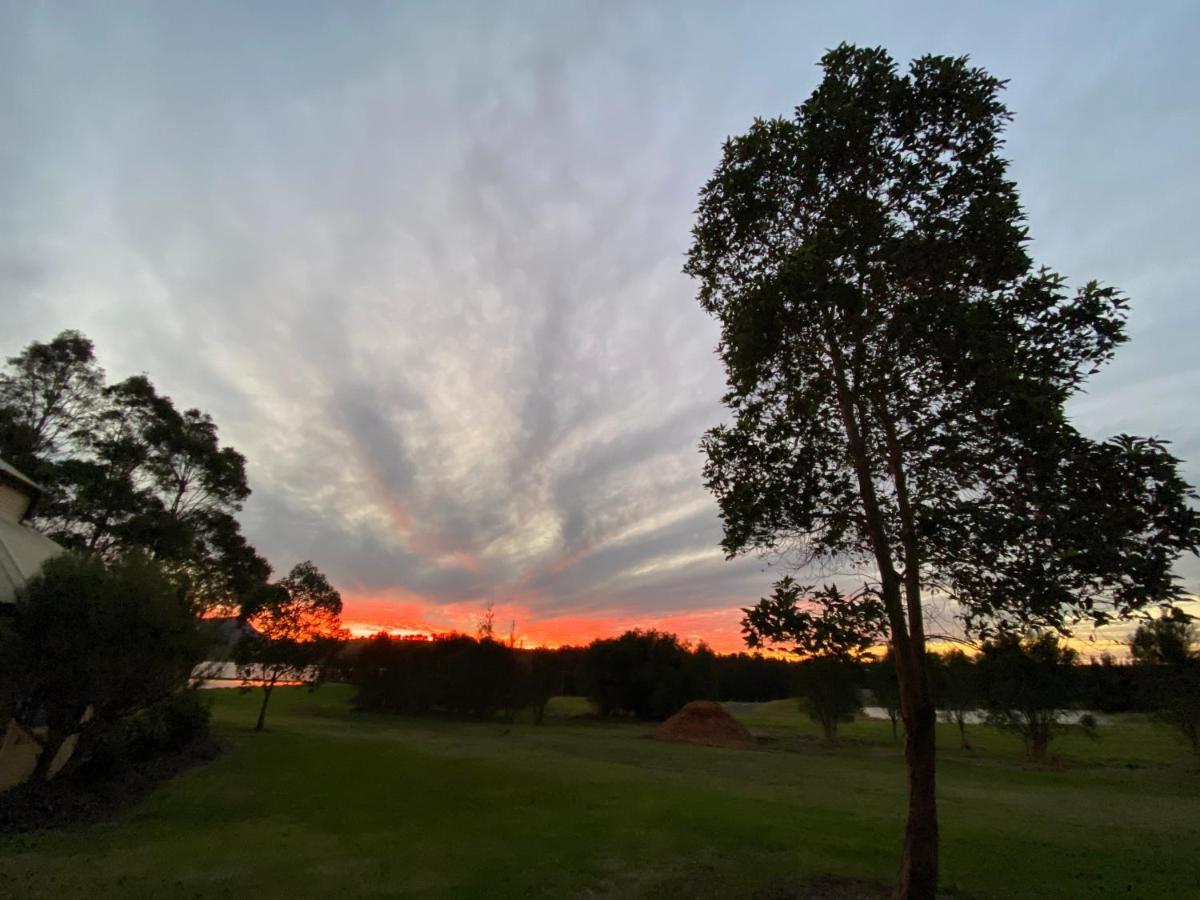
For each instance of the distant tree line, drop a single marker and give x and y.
(641, 674)
(1018, 684)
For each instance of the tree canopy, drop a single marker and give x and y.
(898, 369)
(83, 633)
(296, 631)
(125, 469)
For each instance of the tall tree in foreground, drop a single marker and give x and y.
(897, 373)
(297, 632)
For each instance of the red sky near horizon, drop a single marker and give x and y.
(365, 615)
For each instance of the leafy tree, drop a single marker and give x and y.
(647, 674)
(828, 687)
(1168, 640)
(881, 679)
(48, 393)
(297, 631)
(1166, 646)
(1027, 683)
(115, 637)
(957, 689)
(542, 678)
(126, 470)
(838, 630)
(897, 374)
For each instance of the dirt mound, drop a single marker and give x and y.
(705, 722)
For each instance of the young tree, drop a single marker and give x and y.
(1027, 683)
(1166, 648)
(543, 677)
(297, 632)
(881, 679)
(1167, 640)
(957, 690)
(897, 374)
(828, 688)
(837, 631)
(83, 633)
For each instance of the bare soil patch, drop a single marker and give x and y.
(705, 722)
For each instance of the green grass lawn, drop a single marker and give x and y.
(333, 803)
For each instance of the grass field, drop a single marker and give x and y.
(333, 803)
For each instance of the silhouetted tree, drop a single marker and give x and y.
(1166, 647)
(543, 675)
(83, 633)
(48, 394)
(1168, 640)
(897, 374)
(647, 674)
(881, 679)
(126, 470)
(828, 688)
(1027, 683)
(957, 689)
(837, 630)
(297, 631)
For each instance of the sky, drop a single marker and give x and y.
(421, 262)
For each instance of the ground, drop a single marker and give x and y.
(330, 802)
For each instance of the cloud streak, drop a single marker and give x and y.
(423, 265)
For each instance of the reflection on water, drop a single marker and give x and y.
(979, 716)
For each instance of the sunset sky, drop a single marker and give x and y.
(421, 262)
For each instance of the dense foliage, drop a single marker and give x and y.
(647, 675)
(125, 469)
(105, 639)
(898, 370)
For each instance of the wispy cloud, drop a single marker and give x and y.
(423, 265)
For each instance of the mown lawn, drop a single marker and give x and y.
(333, 803)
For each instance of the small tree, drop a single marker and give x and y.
(1028, 682)
(542, 678)
(828, 687)
(647, 674)
(1166, 646)
(881, 679)
(297, 633)
(113, 637)
(834, 631)
(1167, 640)
(957, 686)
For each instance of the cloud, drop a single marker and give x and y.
(422, 265)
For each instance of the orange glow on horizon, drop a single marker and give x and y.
(407, 615)
(411, 615)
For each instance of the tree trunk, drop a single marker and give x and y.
(830, 728)
(262, 712)
(919, 864)
(962, 733)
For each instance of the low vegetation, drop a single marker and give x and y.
(329, 801)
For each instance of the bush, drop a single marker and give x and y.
(115, 638)
(169, 726)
